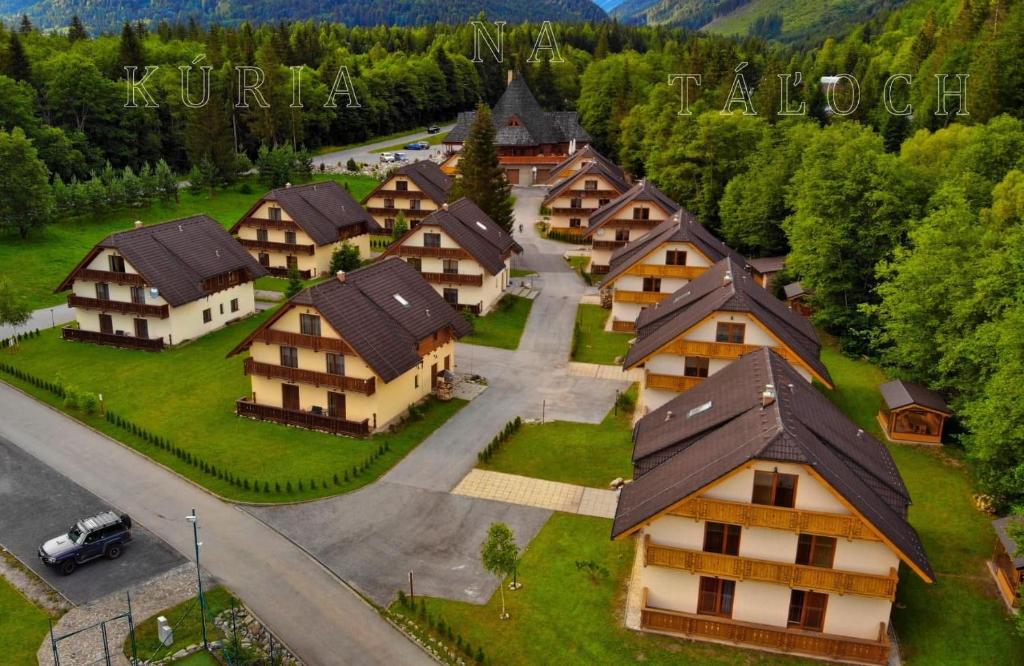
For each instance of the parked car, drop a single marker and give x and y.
(102, 535)
(387, 157)
(400, 157)
(417, 145)
(433, 129)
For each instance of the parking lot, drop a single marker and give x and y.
(37, 503)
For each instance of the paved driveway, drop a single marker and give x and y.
(364, 154)
(37, 503)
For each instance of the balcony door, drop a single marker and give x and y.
(715, 596)
(138, 295)
(807, 610)
(336, 405)
(142, 329)
(106, 323)
(433, 377)
(290, 396)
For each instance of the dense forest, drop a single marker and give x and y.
(909, 229)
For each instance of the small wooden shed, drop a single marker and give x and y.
(796, 298)
(912, 413)
(1008, 567)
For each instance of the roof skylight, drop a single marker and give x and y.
(405, 303)
(699, 409)
(481, 225)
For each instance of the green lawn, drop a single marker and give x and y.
(959, 619)
(201, 658)
(187, 394)
(271, 283)
(503, 326)
(186, 622)
(562, 611)
(594, 344)
(39, 263)
(522, 272)
(22, 626)
(433, 140)
(585, 454)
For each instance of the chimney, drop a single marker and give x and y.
(287, 184)
(511, 75)
(444, 206)
(138, 224)
(668, 415)
(727, 278)
(768, 395)
(341, 276)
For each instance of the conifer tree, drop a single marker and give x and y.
(481, 178)
(76, 31)
(130, 52)
(15, 64)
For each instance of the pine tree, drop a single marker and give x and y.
(26, 25)
(76, 31)
(130, 52)
(481, 178)
(16, 63)
(294, 285)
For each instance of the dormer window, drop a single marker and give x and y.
(514, 122)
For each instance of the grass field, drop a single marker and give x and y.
(38, 263)
(503, 326)
(593, 343)
(585, 454)
(22, 626)
(187, 394)
(187, 625)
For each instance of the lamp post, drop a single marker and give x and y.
(194, 519)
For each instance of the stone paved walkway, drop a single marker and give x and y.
(601, 371)
(527, 491)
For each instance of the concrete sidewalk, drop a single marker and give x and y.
(527, 491)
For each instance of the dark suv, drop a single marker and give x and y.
(90, 538)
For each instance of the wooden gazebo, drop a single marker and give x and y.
(912, 413)
(1008, 567)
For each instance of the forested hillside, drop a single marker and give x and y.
(108, 15)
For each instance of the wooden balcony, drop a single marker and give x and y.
(800, 576)
(623, 326)
(112, 339)
(670, 382)
(282, 272)
(599, 269)
(266, 223)
(776, 517)
(454, 278)
(568, 210)
(728, 350)
(274, 246)
(314, 342)
(652, 270)
(314, 377)
(120, 307)
(608, 244)
(393, 212)
(438, 252)
(300, 419)
(115, 277)
(829, 646)
(584, 192)
(642, 297)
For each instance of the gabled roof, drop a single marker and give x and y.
(680, 228)
(1001, 526)
(473, 230)
(533, 125)
(794, 290)
(588, 154)
(175, 257)
(599, 169)
(382, 311)
(899, 393)
(427, 175)
(765, 265)
(320, 209)
(702, 435)
(725, 287)
(642, 191)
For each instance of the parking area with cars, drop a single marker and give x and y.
(38, 504)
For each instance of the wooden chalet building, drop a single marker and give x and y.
(1007, 563)
(160, 285)
(300, 226)
(768, 270)
(414, 190)
(464, 254)
(350, 355)
(579, 159)
(912, 413)
(646, 271)
(709, 323)
(766, 518)
(530, 140)
(573, 199)
(625, 218)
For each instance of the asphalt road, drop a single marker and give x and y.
(364, 154)
(37, 503)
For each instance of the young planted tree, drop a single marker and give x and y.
(500, 555)
(480, 177)
(345, 258)
(401, 226)
(294, 283)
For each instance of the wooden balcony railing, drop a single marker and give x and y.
(314, 377)
(608, 244)
(121, 307)
(454, 278)
(116, 277)
(274, 246)
(438, 252)
(652, 270)
(767, 571)
(393, 212)
(568, 210)
(776, 517)
(225, 281)
(623, 326)
(314, 342)
(112, 339)
(644, 297)
(584, 192)
(599, 269)
(282, 272)
(266, 223)
(830, 646)
(721, 349)
(677, 383)
(472, 308)
(301, 419)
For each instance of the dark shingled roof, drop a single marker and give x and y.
(588, 154)
(175, 257)
(428, 177)
(642, 191)
(768, 264)
(899, 393)
(536, 126)
(365, 312)
(474, 231)
(793, 290)
(725, 287)
(676, 454)
(682, 227)
(592, 169)
(1000, 525)
(321, 209)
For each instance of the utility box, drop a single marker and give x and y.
(164, 632)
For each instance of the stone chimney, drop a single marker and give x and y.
(341, 276)
(138, 224)
(768, 395)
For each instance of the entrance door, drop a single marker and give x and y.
(336, 404)
(142, 328)
(290, 396)
(106, 324)
(513, 176)
(433, 377)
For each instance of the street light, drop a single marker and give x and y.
(194, 519)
